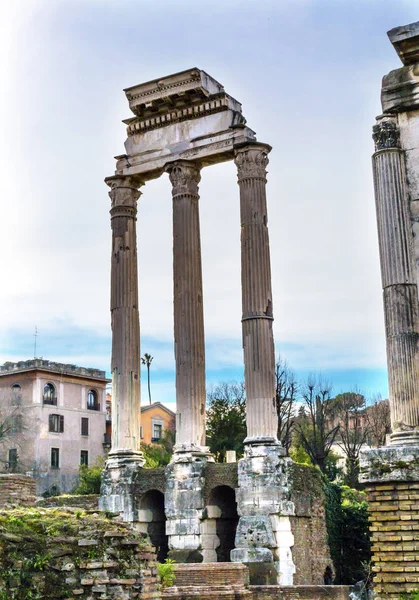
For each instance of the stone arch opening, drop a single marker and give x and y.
(153, 519)
(222, 509)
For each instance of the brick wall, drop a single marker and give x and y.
(18, 490)
(311, 552)
(394, 518)
(88, 502)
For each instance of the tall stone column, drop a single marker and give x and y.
(185, 476)
(125, 457)
(264, 539)
(258, 342)
(399, 281)
(188, 308)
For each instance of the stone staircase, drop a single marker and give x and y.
(209, 581)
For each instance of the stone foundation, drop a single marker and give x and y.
(230, 581)
(184, 508)
(17, 490)
(391, 475)
(69, 553)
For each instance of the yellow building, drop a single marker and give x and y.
(155, 420)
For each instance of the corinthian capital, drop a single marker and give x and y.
(251, 161)
(386, 133)
(184, 177)
(124, 190)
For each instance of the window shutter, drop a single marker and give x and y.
(61, 423)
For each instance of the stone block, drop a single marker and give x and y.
(255, 531)
(209, 527)
(184, 542)
(213, 512)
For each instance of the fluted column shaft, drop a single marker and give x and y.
(257, 320)
(188, 308)
(126, 404)
(399, 281)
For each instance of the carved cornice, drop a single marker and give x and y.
(185, 177)
(124, 192)
(251, 162)
(176, 115)
(386, 133)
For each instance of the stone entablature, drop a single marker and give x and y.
(185, 116)
(40, 364)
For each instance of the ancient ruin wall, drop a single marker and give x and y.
(71, 553)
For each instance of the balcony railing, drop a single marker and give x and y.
(51, 400)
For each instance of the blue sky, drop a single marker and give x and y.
(308, 75)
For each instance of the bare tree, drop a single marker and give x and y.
(285, 397)
(350, 408)
(379, 423)
(315, 431)
(16, 426)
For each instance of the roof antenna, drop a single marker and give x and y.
(35, 335)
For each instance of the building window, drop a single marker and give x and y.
(55, 458)
(56, 423)
(92, 403)
(16, 425)
(157, 432)
(141, 432)
(84, 458)
(84, 426)
(16, 389)
(12, 459)
(49, 396)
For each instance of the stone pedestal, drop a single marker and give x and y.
(184, 507)
(264, 538)
(391, 477)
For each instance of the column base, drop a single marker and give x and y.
(190, 452)
(391, 478)
(184, 504)
(263, 537)
(408, 437)
(117, 485)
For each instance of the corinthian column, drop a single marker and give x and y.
(399, 281)
(258, 342)
(125, 319)
(188, 308)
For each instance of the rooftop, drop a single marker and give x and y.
(39, 364)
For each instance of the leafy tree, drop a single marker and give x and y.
(159, 453)
(313, 427)
(147, 359)
(89, 478)
(285, 397)
(348, 532)
(226, 419)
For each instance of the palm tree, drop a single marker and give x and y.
(147, 360)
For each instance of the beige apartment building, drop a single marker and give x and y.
(63, 421)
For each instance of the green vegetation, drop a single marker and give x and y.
(159, 454)
(90, 478)
(348, 533)
(40, 545)
(166, 573)
(226, 419)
